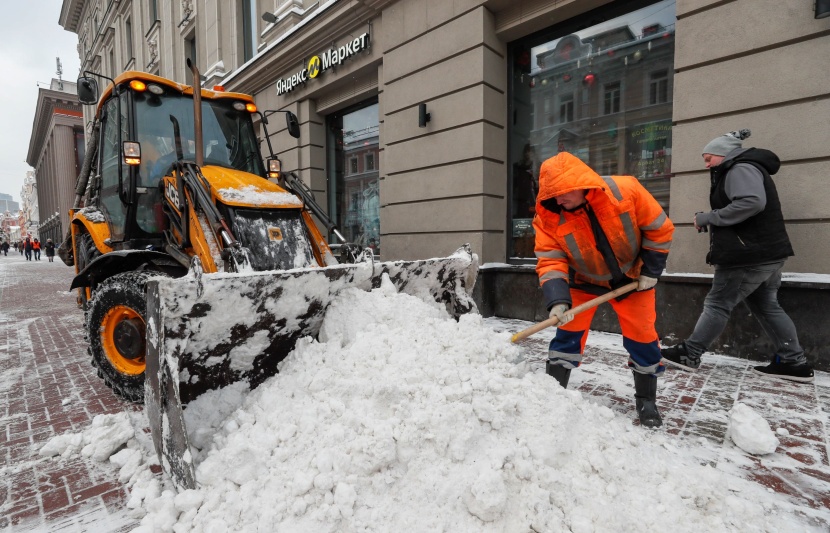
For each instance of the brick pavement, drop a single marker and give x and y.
(48, 387)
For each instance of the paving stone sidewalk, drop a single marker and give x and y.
(48, 388)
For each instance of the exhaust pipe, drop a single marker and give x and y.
(197, 112)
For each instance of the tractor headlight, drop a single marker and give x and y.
(132, 153)
(274, 168)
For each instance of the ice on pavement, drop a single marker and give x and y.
(402, 419)
(750, 432)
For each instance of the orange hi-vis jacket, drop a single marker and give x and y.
(637, 228)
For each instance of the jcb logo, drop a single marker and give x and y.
(275, 234)
(172, 194)
(314, 66)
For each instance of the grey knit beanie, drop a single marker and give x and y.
(726, 143)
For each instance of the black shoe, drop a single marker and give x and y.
(559, 372)
(645, 396)
(802, 373)
(680, 357)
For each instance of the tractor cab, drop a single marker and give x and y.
(141, 116)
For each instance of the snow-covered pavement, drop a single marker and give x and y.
(401, 419)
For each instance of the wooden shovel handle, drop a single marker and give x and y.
(576, 310)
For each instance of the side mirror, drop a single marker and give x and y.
(293, 124)
(87, 90)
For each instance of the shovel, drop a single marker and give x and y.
(576, 310)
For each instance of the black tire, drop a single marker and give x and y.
(115, 329)
(87, 253)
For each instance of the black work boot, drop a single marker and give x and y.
(559, 372)
(645, 395)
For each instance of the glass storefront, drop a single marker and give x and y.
(599, 87)
(354, 192)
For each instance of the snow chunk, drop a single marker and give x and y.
(106, 435)
(750, 432)
(93, 214)
(65, 444)
(255, 196)
(487, 496)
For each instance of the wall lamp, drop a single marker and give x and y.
(270, 17)
(423, 116)
(822, 9)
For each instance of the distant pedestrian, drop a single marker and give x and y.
(36, 249)
(50, 250)
(27, 248)
(5, 248)
(20, 247)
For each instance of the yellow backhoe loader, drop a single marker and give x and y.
(197, 263)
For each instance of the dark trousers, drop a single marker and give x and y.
(757, 286)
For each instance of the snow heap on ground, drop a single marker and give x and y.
(402, 419)
(106, 434)
(749, 431)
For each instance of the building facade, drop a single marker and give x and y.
(626, 86)
(29, 215)
(56, 151)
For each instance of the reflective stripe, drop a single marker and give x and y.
(568, 360)
(551, 254)
(630, 234)
(626, 267)
(576, 253)
(650, 369)
(657, 224)
(664, 246)
(553, 274)
(614, 189)
(562, 219)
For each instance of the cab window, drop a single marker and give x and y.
(110, 161)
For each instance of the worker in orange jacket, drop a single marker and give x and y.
(593, 235)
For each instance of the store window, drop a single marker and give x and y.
(600, 87)
(354, 193)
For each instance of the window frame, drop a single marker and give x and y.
(618, 100)
(537, 115)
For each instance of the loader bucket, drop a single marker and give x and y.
(206, 332)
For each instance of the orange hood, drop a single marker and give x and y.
(564, 173)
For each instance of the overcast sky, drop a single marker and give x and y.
(32, 39)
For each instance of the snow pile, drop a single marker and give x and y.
(750, 432)
(404, 420)
(107, 434)
(252, 195)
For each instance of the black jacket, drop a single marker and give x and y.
(761, 238)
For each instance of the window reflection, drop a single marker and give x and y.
(604, 94)
(355, 191)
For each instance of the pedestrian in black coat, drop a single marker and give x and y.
(50, 250)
